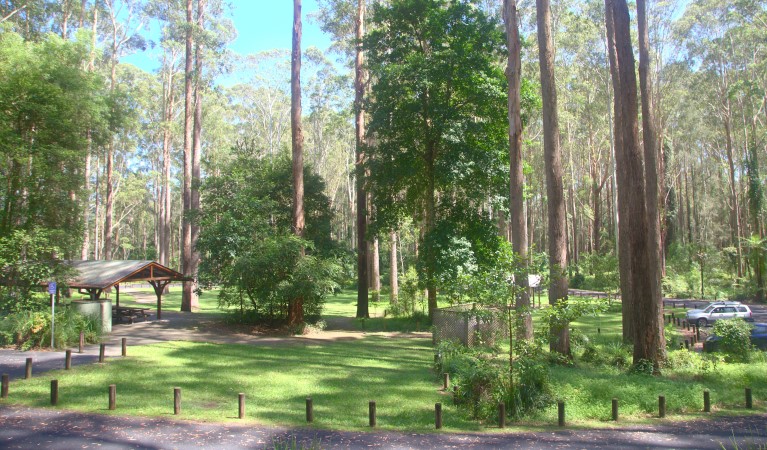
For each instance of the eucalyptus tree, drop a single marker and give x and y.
(559, 340)
(296, 304)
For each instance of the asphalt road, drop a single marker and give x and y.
(25, 428)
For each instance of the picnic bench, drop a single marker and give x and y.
(128, 314)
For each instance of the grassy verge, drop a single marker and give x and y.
(341, 377)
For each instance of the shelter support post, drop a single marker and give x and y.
(159, 286)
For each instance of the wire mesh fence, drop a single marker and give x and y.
(468, 324)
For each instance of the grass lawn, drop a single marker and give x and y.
(172, 300)
(340, 376)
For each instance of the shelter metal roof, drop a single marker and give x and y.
(104, 274)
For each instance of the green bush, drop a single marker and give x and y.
(482, 379)
(30, 329)
(736, 338)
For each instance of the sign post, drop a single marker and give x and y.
(52, 292)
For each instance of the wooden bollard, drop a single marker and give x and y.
(561, 413)
(125, 346)
(418, 325)
(102, 347)
(54, 392)
(697, 331)
(615, 409)
(112, 397)
(706, 401)
(445, 381)
(455, 394)
(687, 344)
(28, 369)
(176, 401)
(4, 390)
(68, 360)
(501, 415)
(672, 315)
(599, 331)
(438, 415)
(749, 399)
(372, 413)
(309, 410)
(241, 405)
(661, 406)
(82, 342)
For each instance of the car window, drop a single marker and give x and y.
(742, 309)
(718, 310)
(729, 309)
(759, 330)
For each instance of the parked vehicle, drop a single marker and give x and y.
(719, 310)
(758, 339)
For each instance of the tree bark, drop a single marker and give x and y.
(393, 275)
(654, 250)
(517, 216)
(621, 178)
(375, 272)
(196, 153)
(559, 340)
(359, 164)
(186, 228)
(644, 316)
(296, 307)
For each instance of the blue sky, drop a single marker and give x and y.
(261, 25)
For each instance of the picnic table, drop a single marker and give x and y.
(129, 314)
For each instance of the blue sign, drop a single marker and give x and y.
(52, 288)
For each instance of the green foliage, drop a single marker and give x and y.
(736, 338)
(248, 246)
(273, 272)
(411, 299)
(30, 329)
(27, 262)
(47, 103)
(438, 117)
(613, 354)
(483, 380)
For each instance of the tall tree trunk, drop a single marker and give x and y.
(517, 217)
(654, 304)
(735, 226)
(165, 220)
(359, 164)
(393, 278)
(197, 152)
(110, 194)
(186, 228)
(559, 340)
(375, 270)
(296, 307)
(646, 327)
(621, 178)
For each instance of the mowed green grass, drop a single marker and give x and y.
(171, 301)
(340, 376)
(343, 375)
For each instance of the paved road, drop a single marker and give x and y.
(24, 428)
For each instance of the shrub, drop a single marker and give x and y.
(29, 329)
(735, 337)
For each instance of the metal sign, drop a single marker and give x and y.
(51, 288)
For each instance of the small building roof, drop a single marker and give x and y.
(94, 274)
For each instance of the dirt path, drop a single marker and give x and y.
(24, 428)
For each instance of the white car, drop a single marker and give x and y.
(719, 310)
